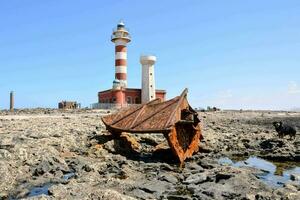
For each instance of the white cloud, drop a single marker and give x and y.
(293, 88)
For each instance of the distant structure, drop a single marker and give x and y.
(68, 105)
(120, 95)
(212, 108)
(12, 102)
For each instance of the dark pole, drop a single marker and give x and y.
(12, 101)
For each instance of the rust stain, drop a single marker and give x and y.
(130, 141)
(98, 146)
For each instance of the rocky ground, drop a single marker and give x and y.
(70, 155)
(251, 133)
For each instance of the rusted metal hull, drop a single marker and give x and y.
(184, 141)
(174, 118)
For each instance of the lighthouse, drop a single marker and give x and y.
(120, 37)
(120, 95)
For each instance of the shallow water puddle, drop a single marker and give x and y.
(39, 190)
(44, 189)
(274, 174)
(68, 176)
(36, 191)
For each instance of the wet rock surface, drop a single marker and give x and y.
(51, 154)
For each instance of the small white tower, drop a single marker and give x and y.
(148, 80)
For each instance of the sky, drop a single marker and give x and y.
(233, 54)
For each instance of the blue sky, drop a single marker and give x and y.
(230, 54)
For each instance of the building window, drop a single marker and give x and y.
(151, 86)
(150, 74)
(129, 100)
(137, 100)
(114, 100)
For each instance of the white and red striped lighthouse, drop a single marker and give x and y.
(121, 37)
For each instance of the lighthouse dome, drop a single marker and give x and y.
(121, 24)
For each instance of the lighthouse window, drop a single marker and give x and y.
(150, 85)
(150, 74)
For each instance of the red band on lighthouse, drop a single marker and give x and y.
(120, 62)
(121, 76)
(121, 48)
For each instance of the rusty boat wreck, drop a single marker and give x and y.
(174, 118)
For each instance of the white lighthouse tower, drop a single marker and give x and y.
(148, 80)
(120, 37)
